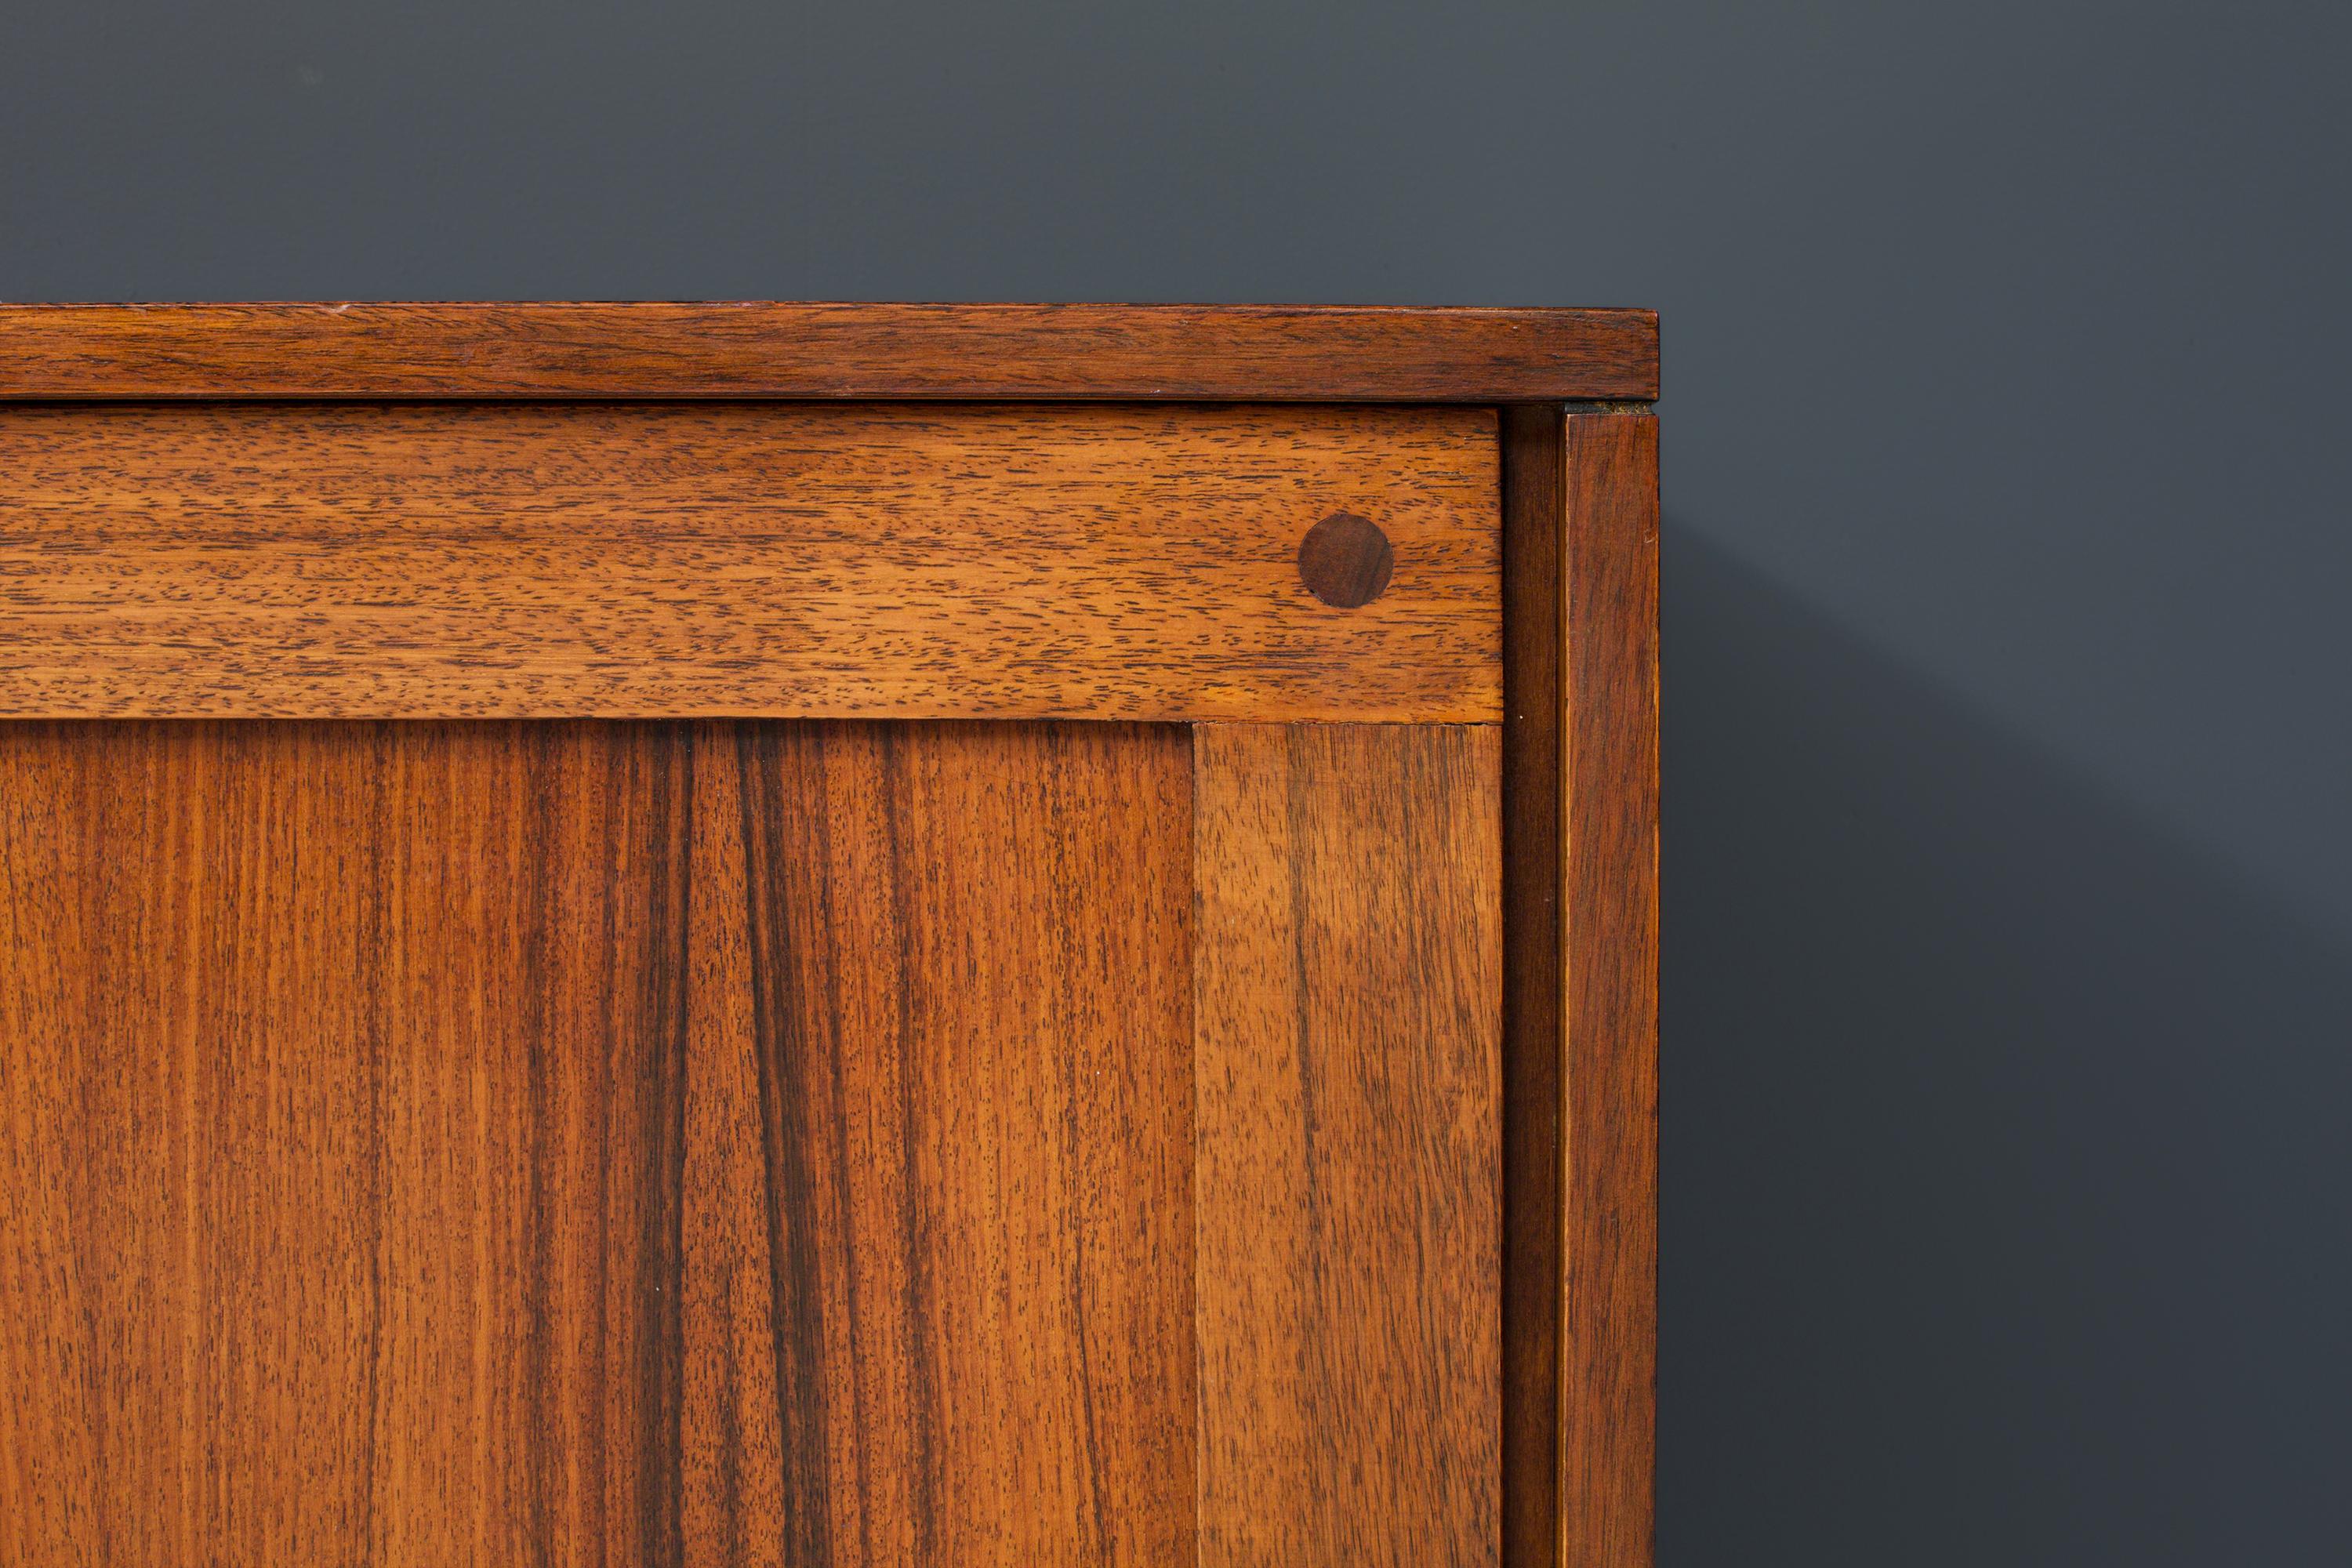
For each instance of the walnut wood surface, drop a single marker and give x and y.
(739, 559)
(574, 1144)
(1348, 1024)
(1199, 352)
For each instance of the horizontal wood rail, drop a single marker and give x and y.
(749, 560)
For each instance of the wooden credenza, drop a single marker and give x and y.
(714, 934)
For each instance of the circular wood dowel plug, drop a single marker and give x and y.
(1344, 560)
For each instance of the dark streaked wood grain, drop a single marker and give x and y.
(739, 560)
(939, 1157)
(602, 1144)
(1347, 977)
(1610, 899)
(1196, 352)
(338, 1179)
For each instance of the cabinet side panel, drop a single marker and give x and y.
(1347, 1038)
(1610, 899)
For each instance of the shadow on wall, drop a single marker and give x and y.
(2005, 1151)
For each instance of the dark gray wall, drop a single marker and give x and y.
(2007, 1024)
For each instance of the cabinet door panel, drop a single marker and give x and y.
(428, 1143)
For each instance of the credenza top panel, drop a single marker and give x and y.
(1284, 353)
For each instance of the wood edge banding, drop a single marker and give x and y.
(826, 351)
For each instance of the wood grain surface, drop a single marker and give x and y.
(937, 1160)
(1348, 1020)
(739, 559)
(339, 1180)
(1609, 999)
(428, 1144)
(1202, 353)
